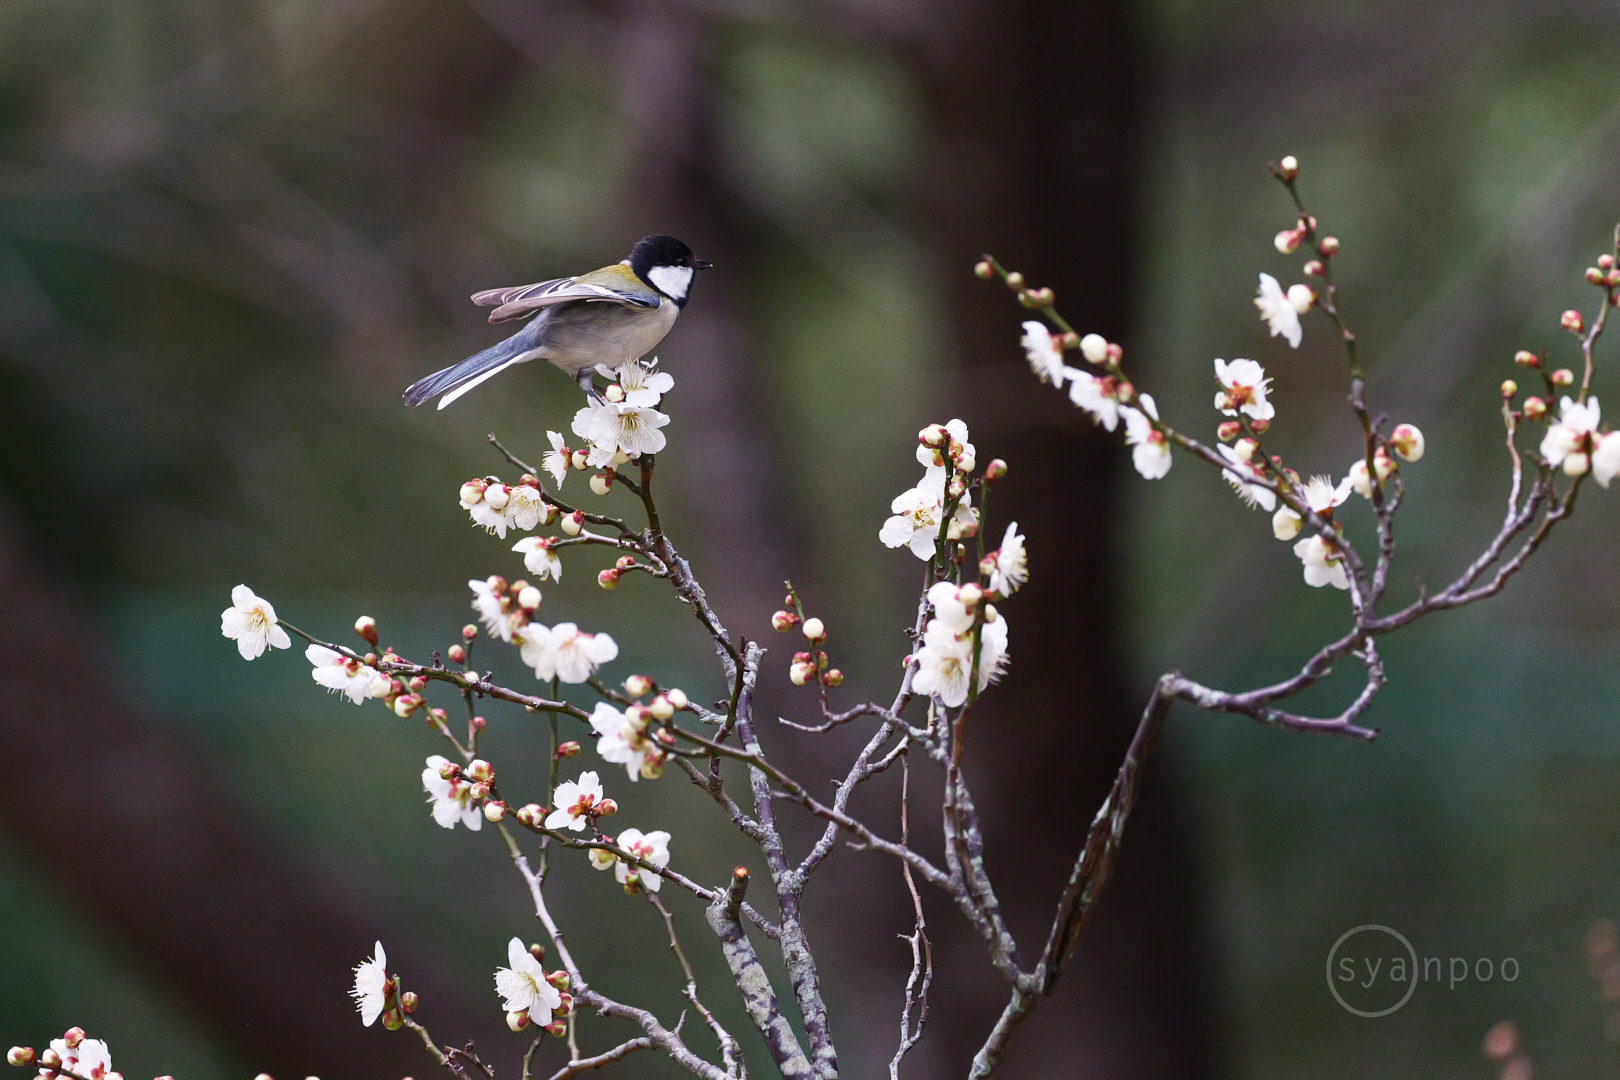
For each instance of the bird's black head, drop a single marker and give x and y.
(667, 265)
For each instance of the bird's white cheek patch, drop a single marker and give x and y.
(671, 280)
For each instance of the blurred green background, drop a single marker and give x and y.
(232, 232)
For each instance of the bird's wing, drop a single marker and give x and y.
(521, 300)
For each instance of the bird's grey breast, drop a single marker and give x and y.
(581, 334)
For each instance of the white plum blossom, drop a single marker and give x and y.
(250, 621)
(524, 507)
(1151, 455)
(945, 661)
(653, 846)
(451, 800)
(1285, 523)
(1322, 494)
(1088, 392)
(1606, 458)
(493, 611)
(486, 502)
(1044, 353)
(557, 458)
(620, 740)
(955, 450)
(1009, 564)
(613, 428)
(1570, 441)
(1279, 310)
(1244, 478)
(90, 1058)
(1243, 389)
(918, 512)
(523, 988)
(576, 801)
(370, 991)
(341, 674)
(643, 384)
(1323, 566)
(954, 605)
(564, 651)
(538, 558)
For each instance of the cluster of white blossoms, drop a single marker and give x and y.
(1106, 398)
(74, 1053)
(496, 506)
(563, 651)
(653, 846)
(620, 426)
(1575, 444)
(625, 737)
(529, 993)
(1281, 310)
(948, 461)
(945, 663)
(453, 797)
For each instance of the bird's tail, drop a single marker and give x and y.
(459, 378)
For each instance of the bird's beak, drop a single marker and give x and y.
(699, 264)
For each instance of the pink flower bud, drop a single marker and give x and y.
(1260, 427)
(801, 673)
(970, 595)
(652, 766)
(530, 815)
(638, 685)
(479, 769)
(551, 514)
(1407, 441)
(1287, 241)
(529, 598)
(568, 749)
(661, 707)
(1526, 358)
(580, 460)
(472, 492)
(1288, 167)
(408, 1002)
(417, 683)
(1245, 448)
(957, 488)
(497, 496)
(784, 620)
(20, 1056)
(677, 698)
(1094, 347)
(558, 979)
(477, 723)
(1594, 276)
(984, 270)
(1382, 465)
(1302, 297)
(557, 1028)
(1534, 408)
(608, 579)
(815, 631)
(1606, 261)
(966, 463)
(405, 705)
(1330, 245)
(1116, 352)
(392, 1021)
(469, 632)
(607, 808)
(73, 1036)
(458, 655)
(439, 715)
(495, 810)
(449, 771)
(614, 393)
(602, 482)
(624, 562)
(1228, 430)
(479, 791)
(995, 470)
(833, 677)
(381, 686)
(1509, 388)
(50, 1058)
(366, 627)
(1124, 392)
(1015, 280)
(517, 1021)
(1571, 321)
(574, 524)
(934, 436)
(1563, 377)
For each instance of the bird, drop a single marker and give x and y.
(609, 316)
